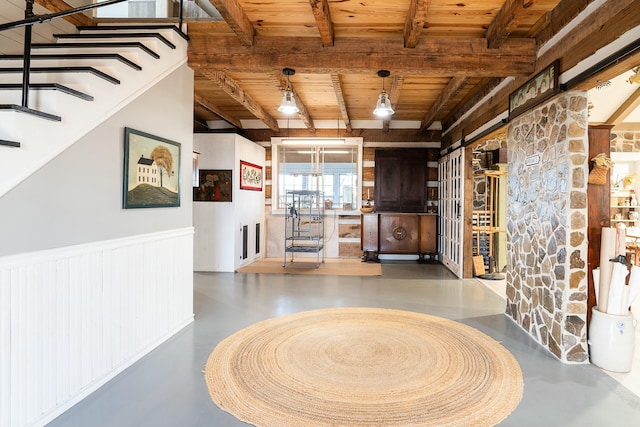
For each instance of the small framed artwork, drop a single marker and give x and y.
(214, 186)
(151, 171)
(536, 90)
(250, 176)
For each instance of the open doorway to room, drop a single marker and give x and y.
(614, 103)
(488, 204)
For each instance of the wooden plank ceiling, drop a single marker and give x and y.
(443, 57)
(439, 53)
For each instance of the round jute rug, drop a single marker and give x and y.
(363, 367)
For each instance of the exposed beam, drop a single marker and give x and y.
(368, 135)
(546, 27)
(555, 20)
(604, 25)
(394, 95)
(323, 21)
(337, 87)
(217, 111)
(507, 19)
(625, 109)
(78, 19)
(481, 90)
(449, 92)
(413, 25)
(199, 125)
(434, 56)
(237, 19)
(232, 89)
(627, 127)
(281, 81)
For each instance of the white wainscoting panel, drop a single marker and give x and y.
(73, 318)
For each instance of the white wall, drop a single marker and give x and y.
(77, 198)
(86, 287)
(218, 225)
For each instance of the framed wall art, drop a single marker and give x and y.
(250, 176)
(536, 90)
(151, 171)
(214, 186)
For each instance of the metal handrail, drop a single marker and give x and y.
(30, 19)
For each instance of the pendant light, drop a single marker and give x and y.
(383, 107)
(288, 104)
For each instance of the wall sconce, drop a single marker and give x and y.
(288, 104)
(383, 107)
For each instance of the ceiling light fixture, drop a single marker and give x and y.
(383, 107)
(288, 104)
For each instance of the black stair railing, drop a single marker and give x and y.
(30, 19)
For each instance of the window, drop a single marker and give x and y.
(333, 166)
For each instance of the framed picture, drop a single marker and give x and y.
(151, 171)
(250, 176)
(536, 90)
(215, 186)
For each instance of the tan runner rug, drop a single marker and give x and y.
(333, 266)
(363, 367)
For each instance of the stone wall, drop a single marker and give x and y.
(547, 224)
(626, 141)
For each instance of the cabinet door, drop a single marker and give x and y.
(369, 232)
(413, 184)
(387, 183)
(428, 237)
(400, 180)
(399, 233)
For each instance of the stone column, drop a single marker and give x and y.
(546, 224)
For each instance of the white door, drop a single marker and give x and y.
(450, 174)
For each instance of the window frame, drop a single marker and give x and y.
(315, 142)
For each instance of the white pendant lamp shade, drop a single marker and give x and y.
(288, 104)
(383, 107)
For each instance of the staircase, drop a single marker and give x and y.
(76, 84)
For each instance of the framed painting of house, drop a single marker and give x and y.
(250, 176)
(214, 186)
(151, 171)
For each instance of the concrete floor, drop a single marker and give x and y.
(166, 388)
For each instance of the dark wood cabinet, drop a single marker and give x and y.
(401, 180)
(398, 233)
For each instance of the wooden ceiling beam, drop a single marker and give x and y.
(323, 21)
(368, 135)
(77, 19)
(281, 81)
(506, 20)
(414, 24)
(546, 27)
(603, 26)
(237, 19)
(625, 109)
(434, 56)
(337, 88)
(394, 95)
(499, 30)
(449, 92)
(232, 89)
(217, 111)
(555, 20)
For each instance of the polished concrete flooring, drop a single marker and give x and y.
(166, 388)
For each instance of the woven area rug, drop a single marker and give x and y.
(363, 367)
(330, 266)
